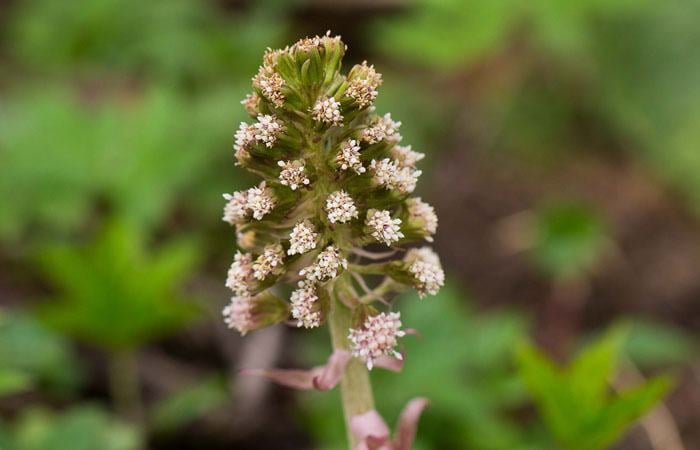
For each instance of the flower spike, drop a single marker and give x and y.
(335, 190)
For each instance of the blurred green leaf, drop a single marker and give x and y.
(449, 34)
(81, 428)
(45, 357)
(143, 155)
(113, 293)
(649, 73)
(53, 171)
(462, 364)
(574, 401)
(189, 404)
(7, 441)
(569, 240)
(654, 344)
(13, 381)
(179, 40)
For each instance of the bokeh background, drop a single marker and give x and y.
(563, 143)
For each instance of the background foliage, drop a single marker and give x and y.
(562, 146)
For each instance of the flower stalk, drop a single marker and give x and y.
(355, 387)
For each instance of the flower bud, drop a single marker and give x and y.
(246, 313)
(421, 220)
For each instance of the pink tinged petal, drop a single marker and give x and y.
(370, 430)
(412, 331)
(408, 423)
(321, 378)
(329, 375)
(297, 379)
(394, 364)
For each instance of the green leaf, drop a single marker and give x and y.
(27, 347)
(142, 157)
(190, 404)
(589, 374)
(114, 294)
(12, 381)
(654, 344)
(449, 34)
(178, 40)
(622, 411)
(81, 428)
(575, 401)
(569, 240)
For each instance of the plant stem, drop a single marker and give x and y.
(124, 385)
(355, 387)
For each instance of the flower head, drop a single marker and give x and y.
(251, 102)
(363, 84)
(270, 84)
(236, 208)
(270, 261)
(268, 129)
(383, 128)
(293, 174)
(327, 265)
(377, 337)
(349, 157)
(303, 238)
(305, 308)
(340, 207)
(249, 313)
(382, 227)
(261, 201)
(240, 274)
(424, 265)
(327, 110)
(245, 135)
(422, 215)
(405, 156)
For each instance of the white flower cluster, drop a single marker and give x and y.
(302, 239)
(293, 174)
(327, 265)
(259, 200)
(251, 102)
(349, 157)
(236, 208)
(382, 227)
(239, 314)
(377, 337)
(405, 155)
(419, 211)
(268, 129)
(270, 84)
(383, 129)
(340, 207)
(240, 274)
(424, 265)
(327, 110)
(272, 258)
(245, 135)
(305, 309)
(363, 84)
(390, 174)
